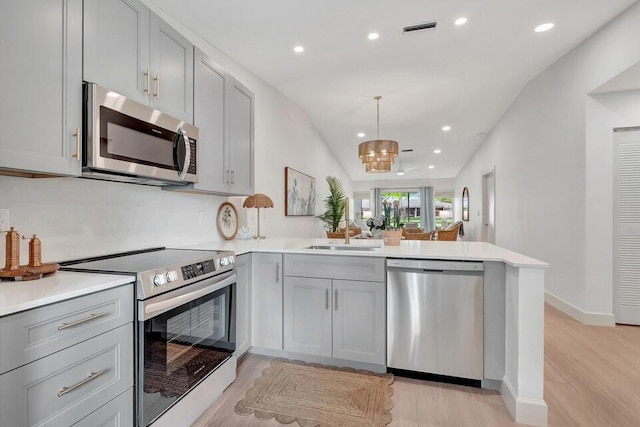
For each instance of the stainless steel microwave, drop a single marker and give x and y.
(131, 142)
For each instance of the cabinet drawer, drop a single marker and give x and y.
(63, 388)
(36, 333)
(117, 413)
(366, 269)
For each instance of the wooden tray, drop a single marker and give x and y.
(29, 273)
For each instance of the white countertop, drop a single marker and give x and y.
(461, 250)
(20, 296)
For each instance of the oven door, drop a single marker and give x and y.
(184, 335)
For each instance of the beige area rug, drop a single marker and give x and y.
(316, 395)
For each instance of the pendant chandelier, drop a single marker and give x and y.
(378, 154)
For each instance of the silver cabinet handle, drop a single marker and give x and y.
(91, 317)
(326, 299)
(146, 82)
(335, 300)
(78, 135)
(91, 377)
(187, 154)
(156, 79)
(277, 272)
(233, 176)
(228, 176)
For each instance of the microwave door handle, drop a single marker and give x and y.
(187, 154)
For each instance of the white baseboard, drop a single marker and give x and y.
(329, 361)
(525, 411)
(586, 317)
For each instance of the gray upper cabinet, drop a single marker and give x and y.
(209, 117)
(130, 50)
(171, 59)
(41, 86)
(116, 46)
(224, 113)
(241, 147)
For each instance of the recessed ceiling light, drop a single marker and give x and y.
(373, 36)
(544, 27)
(361, 135)
(400, 173)
(461, 21)
(298, 49)
(431, 166)
(437, 151)
(446, 128)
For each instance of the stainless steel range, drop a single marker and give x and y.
(186, 323)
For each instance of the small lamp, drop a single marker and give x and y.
(258, 201)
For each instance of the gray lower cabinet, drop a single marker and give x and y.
(243, 304)
(117, 413)
(66, 386)
(36, 333)
(69, 362)
(266, 288)
(327, 313)
(41, 86)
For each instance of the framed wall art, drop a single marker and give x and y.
(300, 193)
(465, 204)
(227, 221)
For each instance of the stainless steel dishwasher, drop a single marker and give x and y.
(435, 320)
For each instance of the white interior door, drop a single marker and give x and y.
(626, 226)
(489, 207)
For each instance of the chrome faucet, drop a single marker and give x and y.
(346, 220)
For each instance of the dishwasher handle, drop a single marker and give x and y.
(428, 265)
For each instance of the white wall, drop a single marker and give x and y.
(540, 150)
(604, 112)
(78, 217)
(284, 136)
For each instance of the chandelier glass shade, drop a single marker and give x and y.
(378, 155)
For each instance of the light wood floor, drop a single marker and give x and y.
(592, 378)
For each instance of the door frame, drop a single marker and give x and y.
(485, 204)
(619, 316)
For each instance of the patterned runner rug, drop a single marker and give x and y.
(317, 395)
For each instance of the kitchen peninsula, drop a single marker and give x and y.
(513, 304)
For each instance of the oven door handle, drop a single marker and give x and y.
(150, 309)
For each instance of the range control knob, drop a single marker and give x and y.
(224, 261)
(159, 279)
(172, 276)
(232, 259)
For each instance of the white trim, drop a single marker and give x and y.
(524, 411)
(485, 203)
(309, 358)
(586, 317)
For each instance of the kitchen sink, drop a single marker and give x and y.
(343, 247)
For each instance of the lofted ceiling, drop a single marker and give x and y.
(462, 76)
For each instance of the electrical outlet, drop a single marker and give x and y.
(4, 219)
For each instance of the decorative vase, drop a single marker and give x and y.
(392, 237)
(376, 234)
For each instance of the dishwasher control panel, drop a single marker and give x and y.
(437, 265)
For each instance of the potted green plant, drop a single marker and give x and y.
(334, 204)
(392, 233)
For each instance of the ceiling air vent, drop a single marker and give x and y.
(412, 29)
